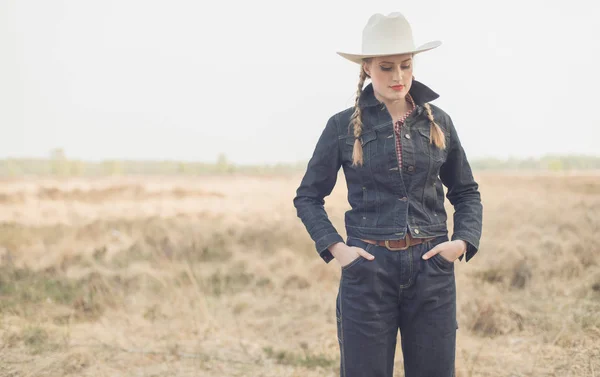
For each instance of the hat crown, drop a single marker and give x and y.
(387, 34)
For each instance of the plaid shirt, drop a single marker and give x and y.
(398, 129)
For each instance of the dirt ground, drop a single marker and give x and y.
(216, 276)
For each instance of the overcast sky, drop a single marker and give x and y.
(257, 80)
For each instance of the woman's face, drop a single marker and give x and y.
(391, 76)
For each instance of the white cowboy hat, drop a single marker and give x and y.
(387, 35)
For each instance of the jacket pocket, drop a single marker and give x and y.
(366, 141)
(430, 149)
(365, 138)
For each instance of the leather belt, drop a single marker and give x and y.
(403, 244)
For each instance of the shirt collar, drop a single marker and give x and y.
(420, 93)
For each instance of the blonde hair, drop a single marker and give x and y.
(437, 135)
(356, 121)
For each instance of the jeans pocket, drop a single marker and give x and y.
(356, 242)
(442, 262)
(354, 262)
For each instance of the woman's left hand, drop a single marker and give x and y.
(450, 250)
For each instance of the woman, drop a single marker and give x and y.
(397, 264)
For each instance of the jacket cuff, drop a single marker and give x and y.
(472, 245)
(324, 242)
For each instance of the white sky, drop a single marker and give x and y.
(257, 80)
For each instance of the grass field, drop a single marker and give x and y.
(216, 276)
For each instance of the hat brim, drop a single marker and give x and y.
(357, 58)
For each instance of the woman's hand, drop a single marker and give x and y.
(449, 250)
(346, 254)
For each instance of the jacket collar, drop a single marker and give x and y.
(420, 93)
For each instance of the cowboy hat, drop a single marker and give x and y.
(387, 35)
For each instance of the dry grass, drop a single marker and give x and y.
(217, 277)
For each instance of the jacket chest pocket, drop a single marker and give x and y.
(430, 149)
(368, 141)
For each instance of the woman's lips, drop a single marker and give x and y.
(397, 87)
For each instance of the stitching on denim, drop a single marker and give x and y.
(427, 246)
(355, 261)
(399, 228)
(327, 235)
(410, 274)
(427, 147)
(375, 128)
(423, 203)
(343, 353)
(337, 130)
(391, 229)
(365, 198)
(444, 262)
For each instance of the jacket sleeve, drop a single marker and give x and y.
(318, 182)
(463, 194)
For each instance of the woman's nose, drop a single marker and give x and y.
(397, 76)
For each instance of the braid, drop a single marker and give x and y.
(356, 122)
(437, 135)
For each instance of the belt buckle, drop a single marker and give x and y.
(387, 244)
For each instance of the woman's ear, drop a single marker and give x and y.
(365, 67)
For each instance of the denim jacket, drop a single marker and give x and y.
(385, 202)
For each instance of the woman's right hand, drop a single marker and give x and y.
(347, 254)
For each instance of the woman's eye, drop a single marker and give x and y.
(390, 68)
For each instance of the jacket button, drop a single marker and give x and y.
(411, 168)
(407, 136)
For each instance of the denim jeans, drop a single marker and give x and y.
(398, 290)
